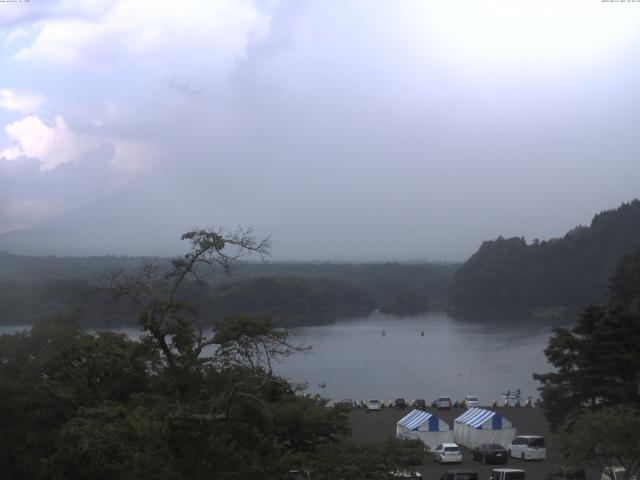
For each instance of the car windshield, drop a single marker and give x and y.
(443, 399)
(494, 446)
(619, 474)
(514, 476)
(472, 399)
(374, 401)
(466, 476)
(451, 449)
(536, 442)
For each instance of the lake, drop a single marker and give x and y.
(351, 358)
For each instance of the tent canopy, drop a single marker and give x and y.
(423, 421)
(479, 418)
(477, 426)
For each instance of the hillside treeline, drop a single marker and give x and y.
(293, 293)
(568, 271)
(286, 300)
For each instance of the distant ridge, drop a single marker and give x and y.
(570, 271)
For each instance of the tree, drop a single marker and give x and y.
(173, 326)
(598, 361)
(178, 404)
(604, 439)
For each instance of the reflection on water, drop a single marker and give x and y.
(455, 357)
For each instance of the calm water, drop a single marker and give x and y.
(352, 359)
(455, 357)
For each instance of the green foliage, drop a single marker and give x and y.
(48, 374)
(296, 293)
(178, 404)
(598, 361)
(569, 271)
(605, 438)
(291, 300)
(409, 303)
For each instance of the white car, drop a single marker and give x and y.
(471, 401)
(405, 474)
(528, 447)
(507, 474)
(443, 402)
(615, 473)
(373, 405)
(447, 453)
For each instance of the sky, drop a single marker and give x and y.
(344, 130)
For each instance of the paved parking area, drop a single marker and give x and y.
(375, 426)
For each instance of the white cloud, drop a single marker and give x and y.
(20, 101)
(14, 35)
(140, 26)
(56, 144)
(50, 145)
(130, 156)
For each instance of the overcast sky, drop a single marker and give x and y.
(352, 129)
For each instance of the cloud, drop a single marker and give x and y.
(20, 101)
(133, 28)
(20, 213)
(184, 87)
(15, 35)
(51, 145)
(56, 144)
(16, 14)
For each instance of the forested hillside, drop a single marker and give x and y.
(33, 288)
(568, 271)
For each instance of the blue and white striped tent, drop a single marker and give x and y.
(419, 425)
(477, 425)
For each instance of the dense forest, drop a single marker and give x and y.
(507, 272)
(568, 271)
(291, 293)
(167, 406)
(285, 300)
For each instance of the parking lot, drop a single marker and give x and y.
(374, 426)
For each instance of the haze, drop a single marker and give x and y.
(355, 130)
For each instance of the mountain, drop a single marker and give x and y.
(134, 220)
(568, 271)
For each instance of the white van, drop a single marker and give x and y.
(373, 405)
(507, 474)
(528, 447)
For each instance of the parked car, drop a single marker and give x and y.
(507, 474)
(459, 475)
(373, 405)
(471, 401)
(490, 453)
(447, 453)
(345, 403)
(400, 403)
(528, 447)
(615, 473)
(420, 404)
(443, 402)
(298, 475)
(405, 474)
(566, 473)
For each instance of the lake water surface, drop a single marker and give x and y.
(351, 358)
(455, 357)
